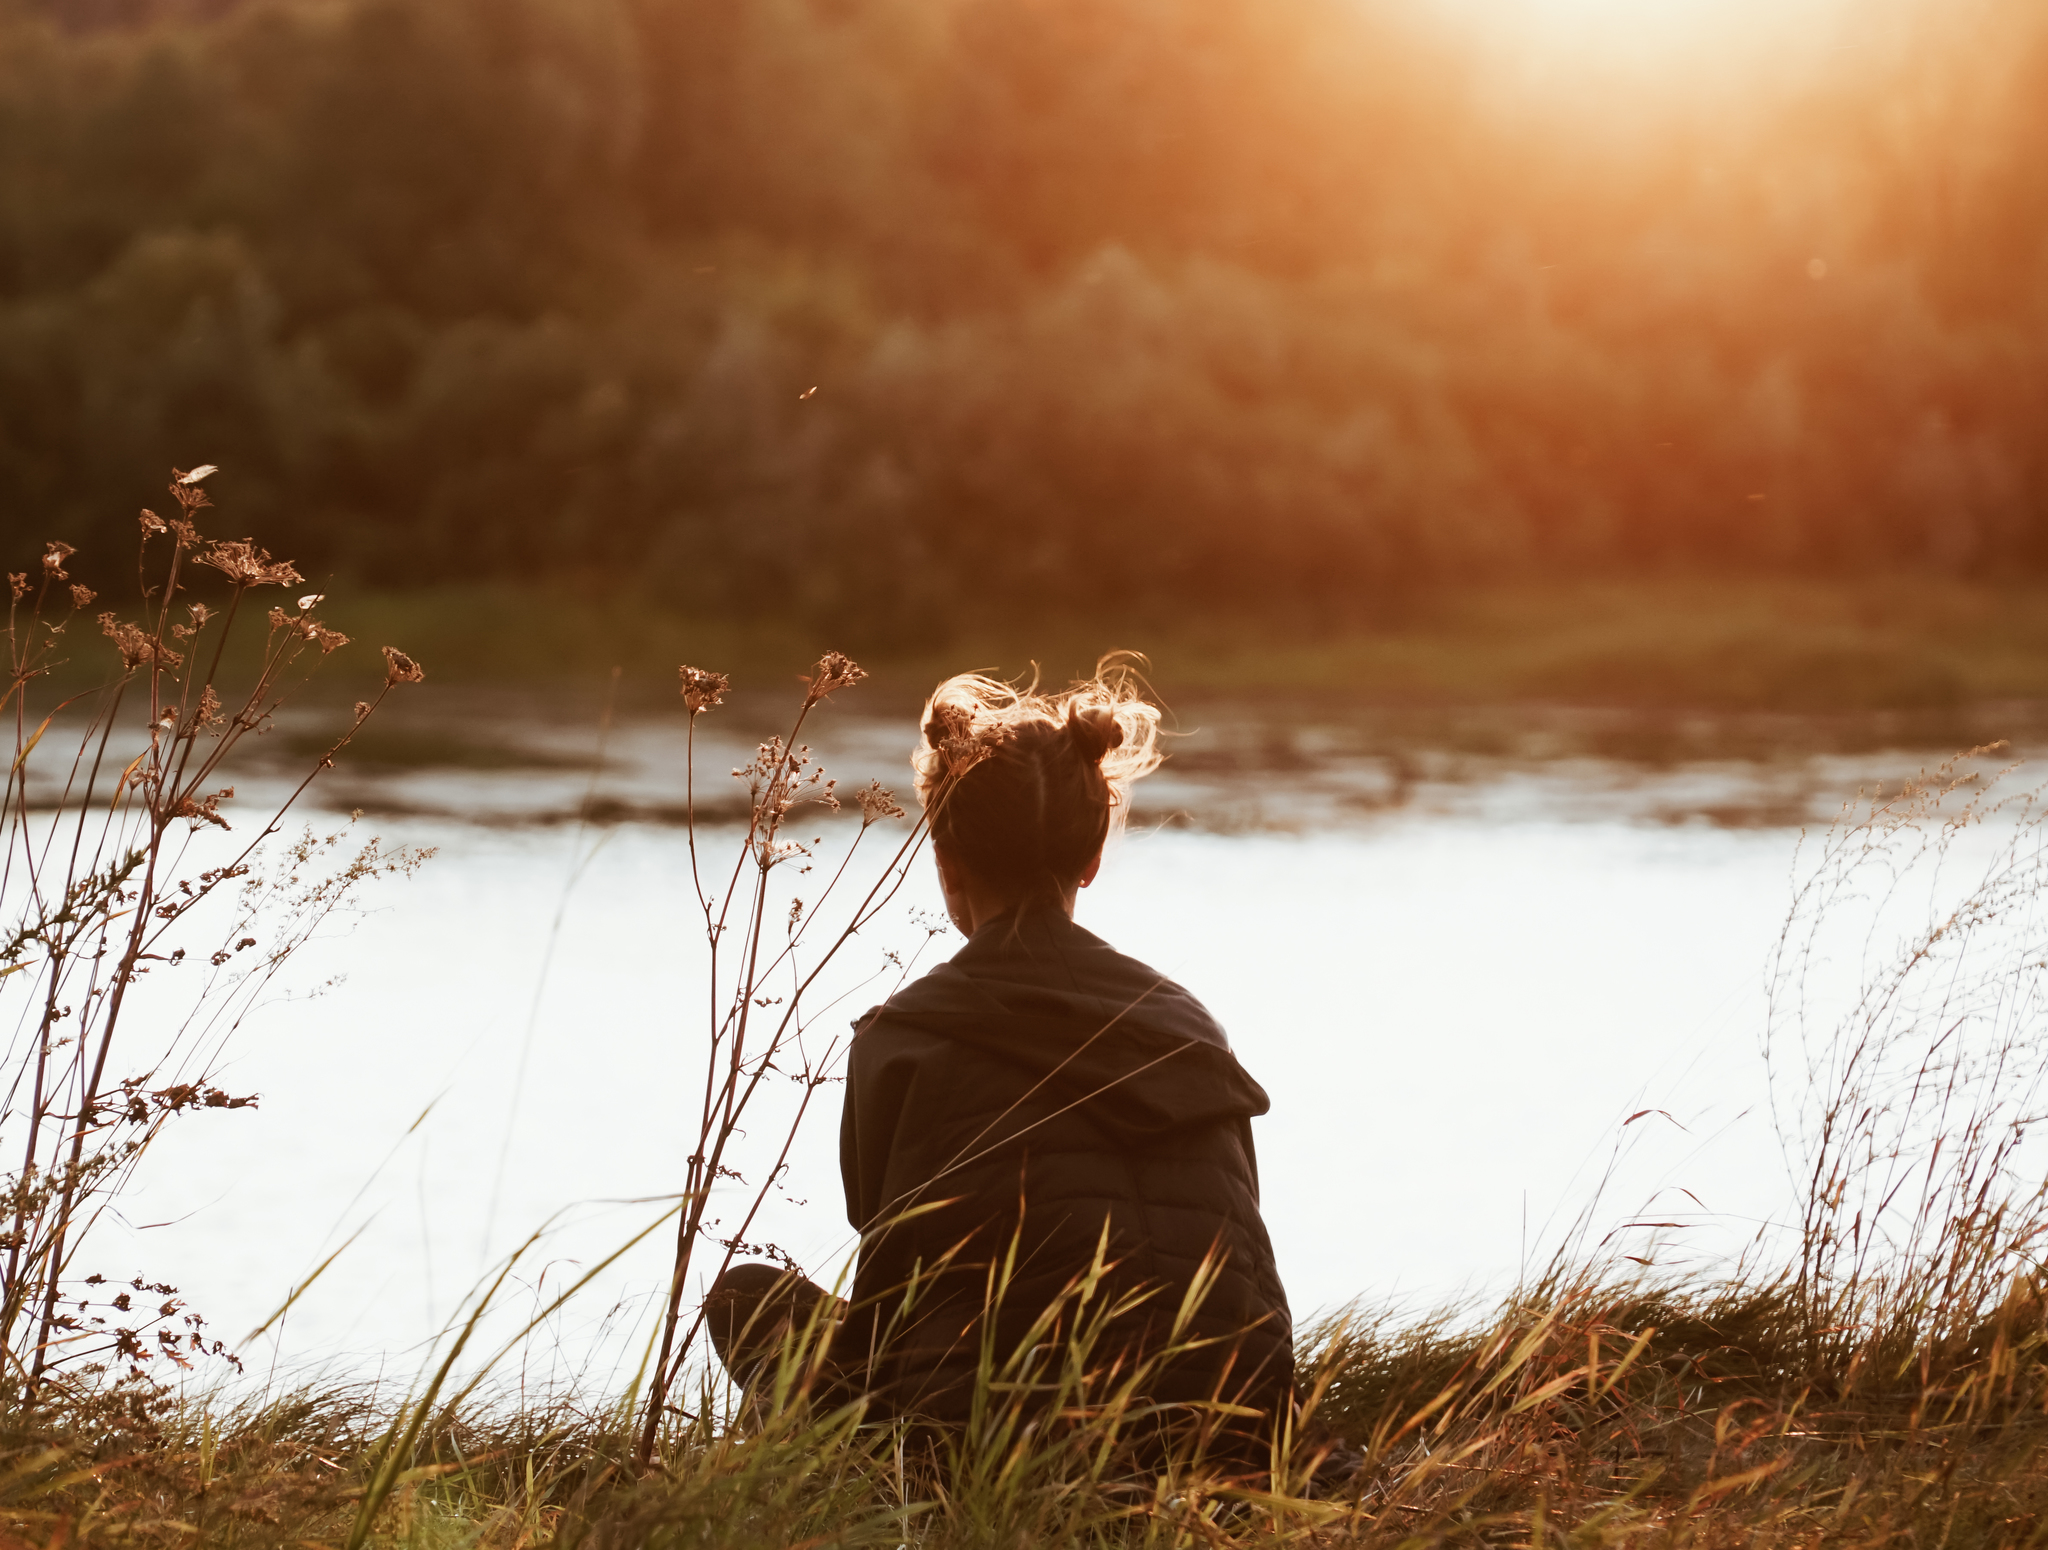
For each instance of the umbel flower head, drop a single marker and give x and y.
(306, 627)
(136, 646)
(248, 566)
(400, 668)
(835, 670)
(702, 690)
(876, 801)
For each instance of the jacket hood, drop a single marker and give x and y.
(1089, 1026)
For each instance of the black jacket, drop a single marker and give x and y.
(1036, 1088)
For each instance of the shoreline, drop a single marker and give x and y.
(1880, 645)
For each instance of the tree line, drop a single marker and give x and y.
(895, 310)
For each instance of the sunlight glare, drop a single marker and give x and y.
(1664, 42)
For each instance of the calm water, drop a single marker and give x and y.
(1457, 974)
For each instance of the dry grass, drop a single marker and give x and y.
(1586, 1412)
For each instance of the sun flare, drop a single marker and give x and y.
(1670, 41)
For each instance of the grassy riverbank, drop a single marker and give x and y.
(1878, 645)
(1587, 1413)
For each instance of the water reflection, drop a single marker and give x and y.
(1234, 766)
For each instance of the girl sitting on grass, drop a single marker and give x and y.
(1038, 1108)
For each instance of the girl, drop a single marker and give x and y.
(1042, 1105)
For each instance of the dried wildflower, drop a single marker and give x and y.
(779, 778)
(876, 801)
(772, 853)
(80, 596)
(401, 668)
(209, 709)
(135, 646)
(702, 690)
(205, 810)
(152, 523)
(835, 670)
(198, 613)
(185, 533)
(363, 708)
(307, 628)
(957, 745)
(19, 581)
(248, 566)
(185, 488)
(53, 560)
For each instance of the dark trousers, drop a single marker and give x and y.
(753, 1308)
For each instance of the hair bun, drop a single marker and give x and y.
(1095, 730)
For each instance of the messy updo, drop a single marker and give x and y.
(1024, 787)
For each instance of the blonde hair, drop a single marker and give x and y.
(1025, 786)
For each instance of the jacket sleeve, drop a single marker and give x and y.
(877, 1086)
(850, 1133)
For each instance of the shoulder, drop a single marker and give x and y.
(1057, 955)
(1154, 1000)
(900, 1029)
(944, 992)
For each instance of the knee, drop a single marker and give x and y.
(747, 1283)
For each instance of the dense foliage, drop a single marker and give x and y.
(1222, 303)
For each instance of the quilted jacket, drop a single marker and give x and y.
(1036, 1100)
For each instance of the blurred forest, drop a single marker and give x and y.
(1257, 306)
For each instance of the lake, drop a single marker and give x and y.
(1459, 962)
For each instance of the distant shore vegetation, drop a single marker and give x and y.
(865, 316)
(1884, 646)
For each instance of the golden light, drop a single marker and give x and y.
(1671, 45)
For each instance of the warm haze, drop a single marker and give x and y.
(1421, 296)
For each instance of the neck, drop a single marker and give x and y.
(1018, 905)
(971, 902)
(973, 907)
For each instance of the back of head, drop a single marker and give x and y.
(1024, 787)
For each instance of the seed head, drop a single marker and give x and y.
(248, 566)
(53, 560)
(185, 487)
(18, 580)
(152, 523)
(702, 690)
(876, 801)
(835, 670)
(80, 596)
(135, 645)
(957, 746)
(205, 810)
(401, 669)
(308, 628)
